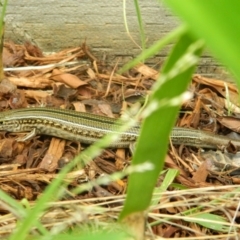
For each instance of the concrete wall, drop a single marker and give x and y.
(56, 24)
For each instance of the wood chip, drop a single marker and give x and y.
(50, 161)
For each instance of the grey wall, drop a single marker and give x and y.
(55, 25)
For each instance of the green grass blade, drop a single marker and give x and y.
(155, 48)
(218, 23)
(162, 111)
(167, 181)
(92, 235)
(15, 207)
(211, 221)
(140, 24)
(3, 13)
(2, 23)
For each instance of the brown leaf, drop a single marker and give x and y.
(33, 50)
(79, 106)
(6, 148)
(8, 58)
(220, 87)
(12, 55)
(91, 74)
(210, 97)
(54, 101)
(120, 159)
(61, 90)
(195, 116)
(232, 123)
(201, 174)
(147, 71)
(67, 78)
(105, 109)
(84, 92)
(18, 100)
(7, 87)
(20, 159)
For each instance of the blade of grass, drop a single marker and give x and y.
(18, 209)
(140, 24)
(163, 107)
(220, 27)
(167, 181)
(126, 24)
(195, 216)
(211, 221)
(13, 206)
(3, 13)
(155, 48)
(92, 235)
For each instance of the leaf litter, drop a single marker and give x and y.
(74, 78)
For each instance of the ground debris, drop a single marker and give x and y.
(75, 78)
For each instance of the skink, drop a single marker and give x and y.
(88, 128)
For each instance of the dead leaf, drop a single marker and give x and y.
(6, 148)
(220, 87)
(13, 55)
(85, 93)
(147, 71)
(91, 74)
(7, 87)
(120, 159)
(106, 109)
(20, 159)
(62, 91)
(69, 79)
(201, 174)
(79, 106)
(33, 50)
(232, 123)
(18, 100)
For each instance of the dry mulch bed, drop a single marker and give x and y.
(74, 78)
